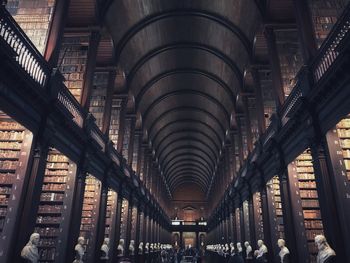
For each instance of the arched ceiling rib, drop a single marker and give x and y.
(184, 61)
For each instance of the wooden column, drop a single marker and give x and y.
(77, 211)
(106, 120)
(55, 35)
(117, 226)
(90, 69)
(241, 219)
(128, 226)
(101, 223)
(138, 227)
(268, 220)
(32, 196)
(275, 66)
(252, 221)
(306, 30)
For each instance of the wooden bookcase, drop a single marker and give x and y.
(246, 221)
(135, 152)
(141, 228)
(276, 193)
(15, 149)
(124, 220)
(343, 131)
(325, 14)
(53, 217)
(258, 217)
(72, 61)
(133, 223)
(98, 96)
(34, 17)
(126, 139)
(115, 121)
(305, 203)
(290, 58)
(90, 213)
(111, 219)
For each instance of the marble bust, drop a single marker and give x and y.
(105, 249)
(132, 248)
(262, 252)
(249, 250)
(325, 253)
(30, 251)
(147, 248)
(79, 250)
(120, 248)
(284, 251)
(141, 248)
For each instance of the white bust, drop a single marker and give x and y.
(141, 248)
(239, 247)
(249, 250)
(283, 249)
(105, 249)
(151, 247)
(147, 248)
(79, 250)
(132, 247)
(324, 250)
(262, 248)
(30, 250)
(232, 246)
(121, 248)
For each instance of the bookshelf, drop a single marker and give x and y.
(15, 148)
(98, 96)
(278, 210)
(324, 15)
(72, 62)
(246, 221)
(290, 58)
(343, 131)
(259, 224)
(309, 201)
(133, 223)
(124, 219)
(135, 152)
(88, 225)
(34, 17)
(111, 218)
(53, 217)
(141, 228)
(238, 225)
(126, 139)
(115, 121)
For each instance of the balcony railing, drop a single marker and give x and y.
(71, 104)
(329, 51)
(27, 56)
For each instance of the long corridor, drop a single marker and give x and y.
(151, 131)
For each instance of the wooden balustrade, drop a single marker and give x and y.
(329, 51)
(27, 56)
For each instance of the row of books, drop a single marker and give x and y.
(8, 165)
(11, 135)
(309, 201)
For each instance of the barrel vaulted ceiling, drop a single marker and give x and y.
(184, 61)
